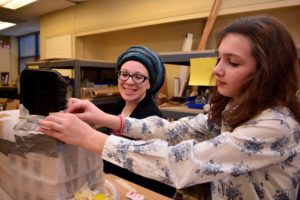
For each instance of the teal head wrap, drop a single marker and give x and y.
(150, 60)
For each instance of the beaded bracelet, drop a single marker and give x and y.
(122, 124)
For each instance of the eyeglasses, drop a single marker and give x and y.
(136, 78)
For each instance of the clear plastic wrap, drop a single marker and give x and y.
(34, 166)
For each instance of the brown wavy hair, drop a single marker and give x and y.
(276, 81)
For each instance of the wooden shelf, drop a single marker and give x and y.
(183, 58)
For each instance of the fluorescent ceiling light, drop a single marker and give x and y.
(4, 25)
(15, 4)
(3, 2)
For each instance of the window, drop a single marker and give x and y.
(28, 49)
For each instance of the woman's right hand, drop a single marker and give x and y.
(84, 110)
(91, 114)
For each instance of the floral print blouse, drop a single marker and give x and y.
(258, 160)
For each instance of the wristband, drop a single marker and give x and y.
(122, 124)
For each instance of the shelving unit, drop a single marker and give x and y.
(78, 65)
(183, 58)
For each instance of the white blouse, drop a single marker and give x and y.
(258, 160)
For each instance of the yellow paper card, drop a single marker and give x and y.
(33, 67)
(201, 71)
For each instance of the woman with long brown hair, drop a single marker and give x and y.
(247, 146)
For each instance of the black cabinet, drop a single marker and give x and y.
(9, 92)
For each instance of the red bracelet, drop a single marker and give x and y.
(122, 124)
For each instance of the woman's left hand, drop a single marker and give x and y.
(70, 129)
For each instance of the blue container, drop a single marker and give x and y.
(191, 98)
(195, 105)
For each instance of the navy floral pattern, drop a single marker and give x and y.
(259, 160)
(297, 136)
(280, 144)
(233, 192)
(252, 146)
(217, 140)
(180, 152)
(238, 169)
(259, 190)
(281, 195)
(212, 169)
(296, 178)
(289, 161)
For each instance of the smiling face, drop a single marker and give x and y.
(236, 64)
(130, 91)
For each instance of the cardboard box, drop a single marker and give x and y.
(35, 166)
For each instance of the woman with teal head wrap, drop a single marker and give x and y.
(150, 60)
(145, 64)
